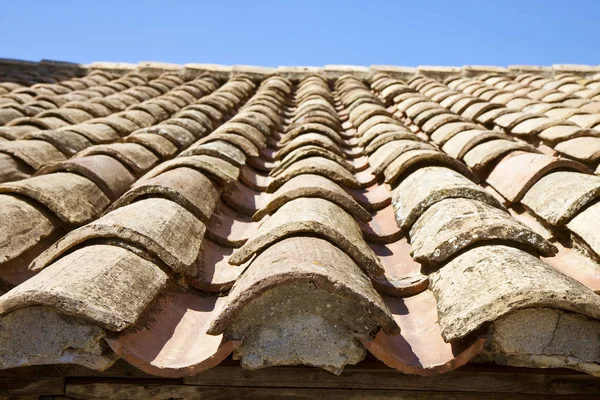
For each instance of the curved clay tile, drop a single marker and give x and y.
(316, 139)
(111, 273)
(418, 108)
(39, 123)
(136, 157)
(69, 115)
(377, 131)
(312, 216)
(461, 143)
(187, 187)
(67, 142)
(584, 225)
(309, 185)
(446, 131)
(372, 198)
(257, 120)
(429, 185)
(311, 127)
(242, 129)
(420, 348)
(427, 115)
(576, 191)
(303, 282)
(220, 149)
(450, 225)
(161, 227)
(174, 342)
(12, 169)
(241, 142)
(525, 280)
(160, 145)
(123, 126)
(318, 166)
(196, 116)
(222, 171)
(106, 172)
(584, 149)
(402, 276)
(309, 151)
(365, 111)
(97, 133)
(484, 154)
(408, 160)
(35, 153)
(316, 117)
(141, 118)
(177, 135)
(23, 225)
(371, 123)
(194, 127)
(382, 227)
(252, 178)
(74, 199)
(561, 133)
(381, 158)
(517, 172)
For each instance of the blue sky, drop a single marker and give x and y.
(309, 32)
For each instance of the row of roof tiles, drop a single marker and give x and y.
(334, 220)
(332, 71)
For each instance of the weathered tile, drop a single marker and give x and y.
(316, 217)
(411, 158)
(517, 172)
(309, 185)
(106, 172)
(161, 227)
(469, 296)
(108, 285)
(559, 196)
(296, 296)
(317, 166)
(74, 199)
(451, 225)
(429, 185)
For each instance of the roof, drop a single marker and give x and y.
(177, 216)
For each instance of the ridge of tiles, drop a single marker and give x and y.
(299, 215)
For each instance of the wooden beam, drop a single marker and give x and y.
(369, 376)
(31, 386)
(131, 390)
(507, 380)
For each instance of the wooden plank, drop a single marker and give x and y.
(367, 375)
(131, 390)
(31, 385)
(371, 378)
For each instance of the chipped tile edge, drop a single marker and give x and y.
(195, 70)
(334, 71)
(395, 71)
(531, 69)
(154, 69)
(115, 67)
(296, 73)
(477, 70)
(582, 70)
(253, 71)
(439, 72)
